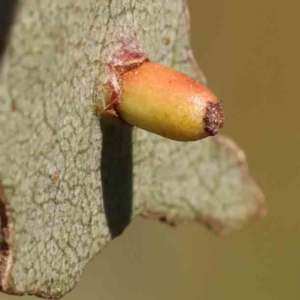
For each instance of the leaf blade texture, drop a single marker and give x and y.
(69, 184)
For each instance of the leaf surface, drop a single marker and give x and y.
(69, 183)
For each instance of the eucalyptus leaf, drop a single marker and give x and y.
(70, 183)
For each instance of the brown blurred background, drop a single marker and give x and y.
(249, 51)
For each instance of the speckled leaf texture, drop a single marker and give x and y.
(70, 184)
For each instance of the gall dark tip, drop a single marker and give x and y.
(214, 118)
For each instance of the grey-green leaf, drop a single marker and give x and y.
(68, 183)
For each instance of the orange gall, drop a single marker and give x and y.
(163, 101)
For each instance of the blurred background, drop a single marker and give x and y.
(249, 51)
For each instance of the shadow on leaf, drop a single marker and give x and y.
(7, 11)
(116, 175)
